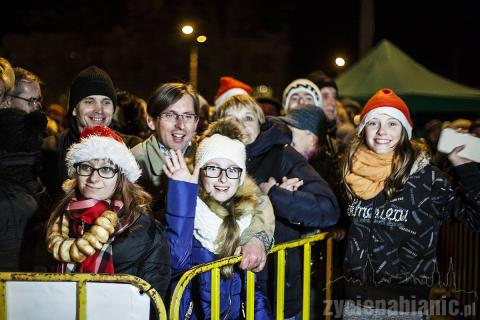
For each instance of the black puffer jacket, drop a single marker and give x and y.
(23, 200)
(313, 205)
(392, 252)
(143, 251)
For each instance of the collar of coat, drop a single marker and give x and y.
(155, 154)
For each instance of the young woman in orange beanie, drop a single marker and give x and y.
(397, 204)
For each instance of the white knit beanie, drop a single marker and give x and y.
(219, 146)
(299, 85)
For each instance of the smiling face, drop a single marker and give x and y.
(175, 134)
(221, 188)
(383, 133)
(94, 186)
(94, 111)
(329, 98)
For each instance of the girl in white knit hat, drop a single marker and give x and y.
(211, 225)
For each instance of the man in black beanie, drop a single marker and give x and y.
(92, 102)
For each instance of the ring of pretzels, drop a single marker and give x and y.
(66, 249)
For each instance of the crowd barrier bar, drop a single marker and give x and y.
(215, 267)
(81, 279)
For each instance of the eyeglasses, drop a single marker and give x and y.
(32, 102)
(215, 172)
(172, 117)
(86, 170)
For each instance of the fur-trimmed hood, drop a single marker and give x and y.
(423, 159)
(226, 127)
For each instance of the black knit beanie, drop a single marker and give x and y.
(91, 81)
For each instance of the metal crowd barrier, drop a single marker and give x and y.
(215, 266)
(81, 279)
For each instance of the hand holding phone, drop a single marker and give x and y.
(450, 139)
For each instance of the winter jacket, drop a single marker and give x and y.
(312, 206)
(187, 252)
(24, 203)
(54, 150)
(21, 213)
(392, 244)
(151, 161)
(142, 250)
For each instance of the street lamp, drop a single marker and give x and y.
(340, 62)
(187, 29)
(193, 71)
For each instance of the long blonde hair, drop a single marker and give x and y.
(405, 153)
(244, 201)
(136, 200)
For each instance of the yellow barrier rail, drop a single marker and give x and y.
(215, 267)
(81, 279)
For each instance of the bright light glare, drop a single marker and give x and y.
(187, 29)
(201, 39)
(340, 62)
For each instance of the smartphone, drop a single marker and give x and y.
(450, 138)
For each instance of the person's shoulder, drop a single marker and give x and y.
(140, 150)
(293, 155)
(130, 140)
(146, 226)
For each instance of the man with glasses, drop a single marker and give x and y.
(173, 115)
(92, 101)
(26, 94)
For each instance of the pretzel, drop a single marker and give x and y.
(55, 250)
(53, 240)
(106, 224)
(84, 247)
(65, 250)
(112, 216)
(92, 240)
(99, 232)
(75, 254)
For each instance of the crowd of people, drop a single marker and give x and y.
(113, 183)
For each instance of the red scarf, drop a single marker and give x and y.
(82, 214)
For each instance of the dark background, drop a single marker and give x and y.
(140, 45)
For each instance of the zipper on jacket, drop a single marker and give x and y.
(229, 299)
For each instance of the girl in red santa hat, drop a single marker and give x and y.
(397, 204)
(103, 222)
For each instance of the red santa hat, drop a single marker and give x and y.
(385, 101)
(230, 87)
(103, 143)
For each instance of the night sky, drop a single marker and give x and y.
(260, 42)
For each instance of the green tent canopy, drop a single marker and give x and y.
(386, 66)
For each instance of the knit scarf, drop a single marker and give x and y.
(207, 225)
(368, 172)
(83, 214)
